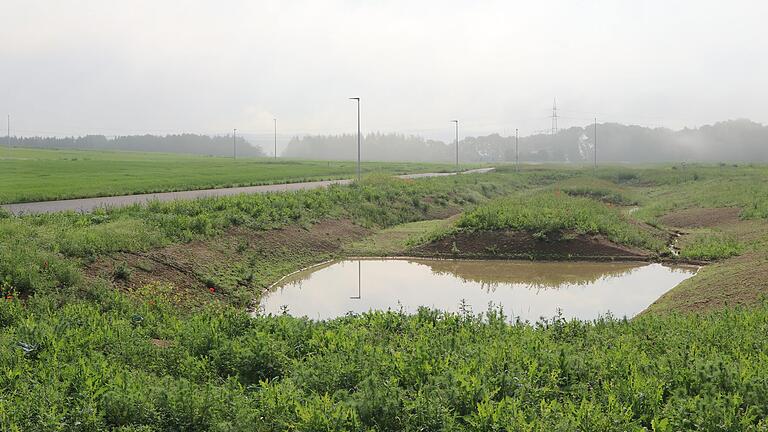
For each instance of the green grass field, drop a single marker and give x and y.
(132, 319)
(38, 175)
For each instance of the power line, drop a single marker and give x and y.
(554, 116)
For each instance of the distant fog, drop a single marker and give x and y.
(734, 140)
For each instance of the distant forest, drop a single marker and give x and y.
(183, 143)
(733, 140)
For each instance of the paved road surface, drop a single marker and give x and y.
(90, 204)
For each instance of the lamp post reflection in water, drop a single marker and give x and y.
(358, 282)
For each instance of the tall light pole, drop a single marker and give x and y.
(517, 153)
(595, 145)
(275, 138)
(457, 143)
(234, 144)
(9, 132)
(358, 136)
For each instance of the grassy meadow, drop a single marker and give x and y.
(133, 319)
(28, 175)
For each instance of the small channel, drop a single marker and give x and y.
(528, 290)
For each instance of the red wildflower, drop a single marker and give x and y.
(212, 289)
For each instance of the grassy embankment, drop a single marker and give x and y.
(722, 214)
(230, 245)
(82, 356)
(553, 217)
(38, 175)
(717, 214)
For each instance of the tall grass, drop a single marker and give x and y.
(711, 246)
(547, 212)
(120, 365)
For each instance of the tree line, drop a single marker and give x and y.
(733, 140)
(182, 143)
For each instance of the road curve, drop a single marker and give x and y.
(86, 205)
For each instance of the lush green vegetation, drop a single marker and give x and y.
(546, 212)
(119, 365)
(669, 188)
(39, 175)
(45, 252)
(712, 247)
(79, 355)
(598, 189)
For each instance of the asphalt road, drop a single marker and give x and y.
(89, 204)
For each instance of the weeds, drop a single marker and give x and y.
(712, 247)
(218, 369)
(122, 272)
(544, 213)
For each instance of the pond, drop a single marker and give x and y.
(528, 290)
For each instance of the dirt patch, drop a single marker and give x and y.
(701, 217)
(524, 244)
(738, 281)
(161, 343)
(200, 269)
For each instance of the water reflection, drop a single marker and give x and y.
(547, 275)
(529, 290)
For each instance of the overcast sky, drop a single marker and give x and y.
(126, 67)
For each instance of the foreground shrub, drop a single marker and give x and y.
(122, 365)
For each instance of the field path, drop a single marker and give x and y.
(90, 204)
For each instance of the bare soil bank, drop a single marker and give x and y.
(701, 217)
(522, 244)
(239, 262)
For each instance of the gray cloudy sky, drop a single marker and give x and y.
(123, 67)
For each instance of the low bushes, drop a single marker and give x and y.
(547, 212)
(121, 365)
(712, 247)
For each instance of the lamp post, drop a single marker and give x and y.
(275, 120)
(517, 153)
(358, 135)
(457, 143)
(595, 145)
(234, 144)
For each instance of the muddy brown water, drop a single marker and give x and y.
(528, 290)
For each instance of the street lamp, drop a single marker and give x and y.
(358, 136)
(234, 144)
(517, 153)
(275, 120)
(457, 143)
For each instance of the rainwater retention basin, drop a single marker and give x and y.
(525, 289)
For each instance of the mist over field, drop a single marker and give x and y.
(162, 67)
(735, 140)
(738, 140)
